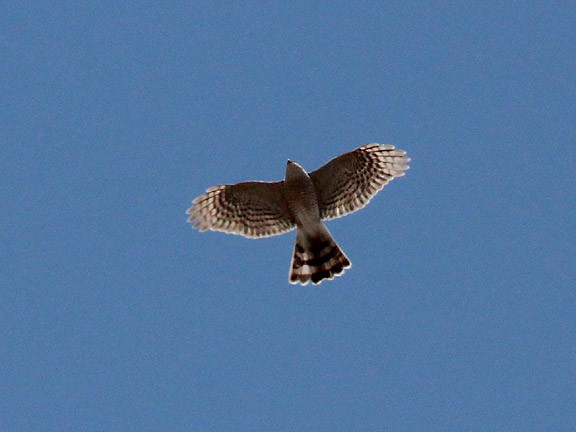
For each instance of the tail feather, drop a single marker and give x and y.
(316, 259)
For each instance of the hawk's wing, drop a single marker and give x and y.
(251, 209)
(348, 182)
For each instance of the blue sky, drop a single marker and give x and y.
(459, 310)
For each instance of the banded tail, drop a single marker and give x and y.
(316, 258)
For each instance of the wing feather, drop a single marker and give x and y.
(250, 209)
(348, 182)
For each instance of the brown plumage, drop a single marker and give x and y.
(317, 259)
(258, 209)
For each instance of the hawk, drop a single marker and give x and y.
(302, 201)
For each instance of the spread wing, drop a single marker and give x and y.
(251, 209)
(348, 182)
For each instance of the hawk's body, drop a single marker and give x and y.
(316, 254)
(302, 201)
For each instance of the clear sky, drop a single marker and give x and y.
(459, 312)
